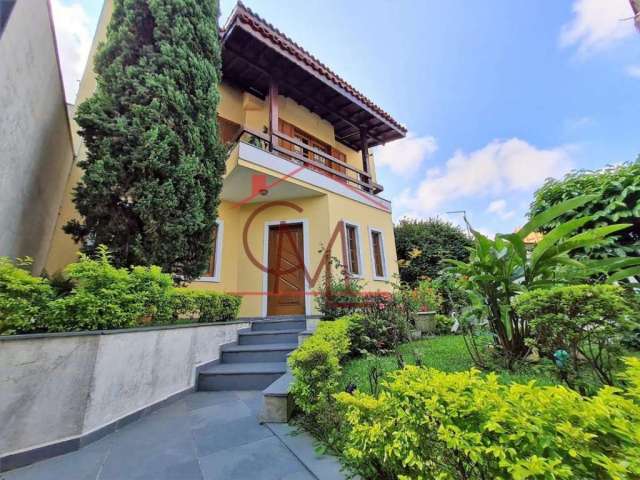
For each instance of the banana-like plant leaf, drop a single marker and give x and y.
(518, 245)
(553, 213)
(556, 235)
(625, 273)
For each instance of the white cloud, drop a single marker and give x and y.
(499, 167)
(73, 35)
(597, 24)
(633, 71)
(404, 157)
(499, 207)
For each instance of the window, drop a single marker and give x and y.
(352, 234)
(215, 260)
(378, 263)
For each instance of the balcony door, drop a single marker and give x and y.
(286, 270)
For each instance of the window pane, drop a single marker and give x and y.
(211, 271)
(376, 240)
(352, 250)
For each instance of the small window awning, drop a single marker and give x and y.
(254, 52)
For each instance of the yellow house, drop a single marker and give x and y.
(300, 182)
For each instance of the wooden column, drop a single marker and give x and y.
(273, 111)
(364, 147)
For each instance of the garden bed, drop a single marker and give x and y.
(447, 353)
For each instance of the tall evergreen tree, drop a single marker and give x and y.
(154, 164)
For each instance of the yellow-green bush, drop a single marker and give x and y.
(430, 424)
(205, 306)
(316, 370)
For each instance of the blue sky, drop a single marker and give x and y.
(497, 95)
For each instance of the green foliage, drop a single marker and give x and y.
(588, 321)
(316, 369)
(154, 162)
(427, 297)
(205, 306)
(501, 268)
(338, 296)
(95, 295)
(23, 298)
(384, 323)
(422, 245)
(429, 424)
(617, 199)
(454, 296)
(107, 297)
(444, 324)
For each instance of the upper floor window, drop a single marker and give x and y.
(354, 262)
(378, 262)
(215, 260)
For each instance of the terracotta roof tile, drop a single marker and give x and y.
(267, 30)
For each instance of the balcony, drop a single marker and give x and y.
(291, 169)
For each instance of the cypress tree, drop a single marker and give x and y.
(154, 164)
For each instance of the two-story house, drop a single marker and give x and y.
(300, 176)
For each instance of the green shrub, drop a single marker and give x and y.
(587, 321)
(23, 299)
(384, 322)
(102, 298)
(205, 306)
(429, 424)
(427, 297)
(155, 290)
(316, 370)
(454, 297)
(337, 297)
(444, 323)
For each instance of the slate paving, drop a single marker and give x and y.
(203, 436)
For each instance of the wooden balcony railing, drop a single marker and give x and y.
(302, 154)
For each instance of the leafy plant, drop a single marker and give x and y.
(617, 199)
(154, 164)
(588, 321)
(429, 424)
(316, 369)
(501, 268)
(205, 306)
(427, 297)
(454, 296)
(23, 298)
(338, 294)
(422, 246)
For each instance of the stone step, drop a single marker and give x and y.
(271, 352)
(240, 376)
(266, 337)
(278, 403)
(271, 324)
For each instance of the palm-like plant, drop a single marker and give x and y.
(501, 268)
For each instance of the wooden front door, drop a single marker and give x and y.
(286, 270)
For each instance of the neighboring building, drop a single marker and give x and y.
(36, 151)
(301, 158)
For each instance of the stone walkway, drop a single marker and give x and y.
(204, 436)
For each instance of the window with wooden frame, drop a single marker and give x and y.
(215, 260)
(308, 139)
(352, 240)
(378, 262)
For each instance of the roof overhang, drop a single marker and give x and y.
(254, 53)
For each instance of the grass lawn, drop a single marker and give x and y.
(447, 353)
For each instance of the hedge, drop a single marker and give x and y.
(429, 424)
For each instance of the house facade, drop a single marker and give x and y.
(300, 183)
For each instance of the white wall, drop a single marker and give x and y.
(36, 153)
(61, 386)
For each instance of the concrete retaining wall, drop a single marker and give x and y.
(60, 387)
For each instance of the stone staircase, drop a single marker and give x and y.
(258, 361)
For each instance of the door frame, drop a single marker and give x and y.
(265, 261)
